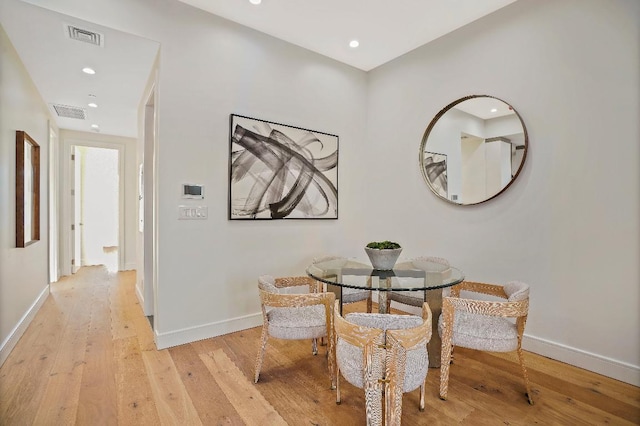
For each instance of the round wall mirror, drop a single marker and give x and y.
(473, 149)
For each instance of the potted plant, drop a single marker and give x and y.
(383, 254)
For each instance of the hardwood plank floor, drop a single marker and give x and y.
(88, 358)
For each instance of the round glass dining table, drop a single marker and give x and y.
(417, 275)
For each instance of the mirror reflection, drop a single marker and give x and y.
(473, 149)
(28, 193)
(27, 190)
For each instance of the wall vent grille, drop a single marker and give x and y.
(67, 111)
(84, 35)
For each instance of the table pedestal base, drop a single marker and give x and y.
(434, 299)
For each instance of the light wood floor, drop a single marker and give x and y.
(88, 358)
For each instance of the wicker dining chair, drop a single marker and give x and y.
(349, 295)
(295, 316)
(483, 325)
(382, 354)
(416, 298)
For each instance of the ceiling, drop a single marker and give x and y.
(54, 61)
(485, 108)
(123, 62)
(385, 29)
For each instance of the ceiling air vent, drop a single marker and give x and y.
(67, 111)
(84, 35)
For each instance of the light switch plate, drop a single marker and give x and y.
(193, 212)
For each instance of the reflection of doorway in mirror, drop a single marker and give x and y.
(473, 170)
(517, 154)
(486, 166)
(435, 167)
(498, 164)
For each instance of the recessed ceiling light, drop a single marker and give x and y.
(494, 110)
(88, 70)
(354, 43)
(93, 104)
(255, 1)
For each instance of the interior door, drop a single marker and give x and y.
(76, 211)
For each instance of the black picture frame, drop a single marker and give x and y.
(278, 171)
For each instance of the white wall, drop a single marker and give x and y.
(23, 271)
(210, 68)
(128, 147)
(569, 226)
(207, 270)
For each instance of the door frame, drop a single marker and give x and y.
(149, 225)
(67, 235)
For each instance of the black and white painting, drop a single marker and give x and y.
(281, 172)
(435, 168)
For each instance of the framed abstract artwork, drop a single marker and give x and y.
(435, 169)
(278, 171)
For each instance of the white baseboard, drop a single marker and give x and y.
(192, 334)
(615, 369)
(609, 367)
(12, 339)
(129, 266)
(140, 297)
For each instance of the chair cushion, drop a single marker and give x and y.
(516, 290)
(421, 263)
(307, 322)
(331, 261)
(414, 298)
(411, 298)
(267, 283)
(482, 332)
(350, 358)
(350, 295)
(439, 270)
(384, 321)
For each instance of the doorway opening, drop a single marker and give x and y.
(97, 207)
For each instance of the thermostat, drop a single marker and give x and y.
(192, 191)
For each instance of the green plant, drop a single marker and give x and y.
(383, 245)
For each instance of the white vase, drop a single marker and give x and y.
(383, 259)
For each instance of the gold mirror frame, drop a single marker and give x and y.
(424, 158)
(27, 190)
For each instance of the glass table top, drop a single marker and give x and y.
(405, 276)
